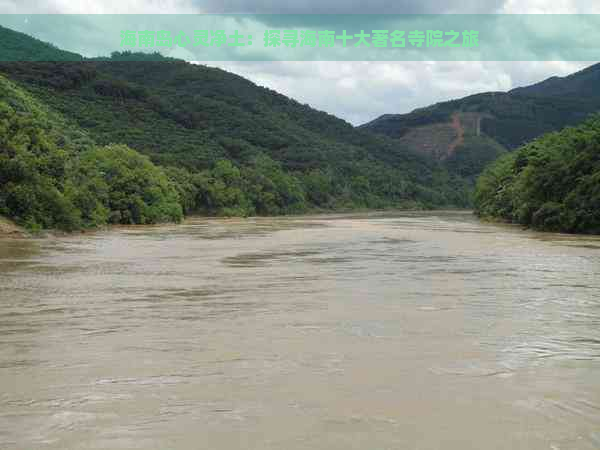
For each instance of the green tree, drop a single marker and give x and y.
(552, 183)
(138, 191)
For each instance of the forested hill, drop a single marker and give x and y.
(20, 47)
(227, 145)
(190, 115)
(583, 83)
(551, 184)
(468, 133)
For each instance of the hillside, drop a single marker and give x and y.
(53, 175)
(192, 115)
(468, 133)
(551, 184)
(19, 47)
(227, 145)
(583, 83)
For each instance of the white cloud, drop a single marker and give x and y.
(551, 7)
(98, 7)
(248, 6)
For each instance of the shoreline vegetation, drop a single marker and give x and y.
(8, 229)
(551, 184)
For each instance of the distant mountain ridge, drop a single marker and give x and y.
(17, 46)
(494, 122)
(584, 82)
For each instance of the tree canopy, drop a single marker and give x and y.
(552, 183)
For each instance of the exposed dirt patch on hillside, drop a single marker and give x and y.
(432, 140)
(460, 135)
(441, 140)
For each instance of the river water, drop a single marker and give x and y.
(396, 331)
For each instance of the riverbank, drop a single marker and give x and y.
(9, 229)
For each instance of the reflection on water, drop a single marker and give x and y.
(406, 330)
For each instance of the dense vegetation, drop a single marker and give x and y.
(225, 145)
(191, 116)
(16, 48)
(473, 156)
(552, 183)
(52, 176)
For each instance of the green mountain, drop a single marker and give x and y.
(552, 183)
(468, 133)
(52, 175)
(227, 145)
(20, 47)
(583, 83)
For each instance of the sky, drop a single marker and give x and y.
(355, 91)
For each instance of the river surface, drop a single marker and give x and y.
(396, 331)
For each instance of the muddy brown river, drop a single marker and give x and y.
(377, 331)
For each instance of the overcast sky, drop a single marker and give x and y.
(355, 91)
